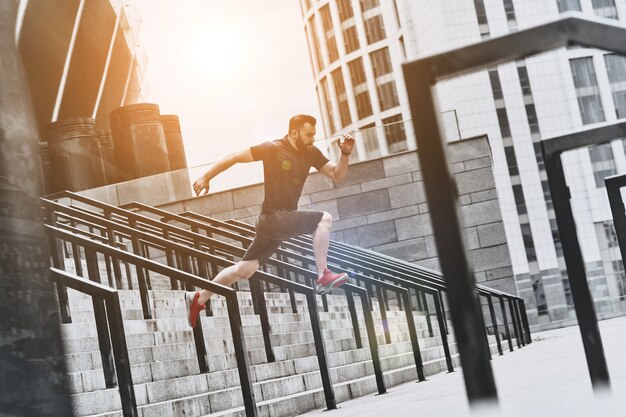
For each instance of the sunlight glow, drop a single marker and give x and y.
(215, 52)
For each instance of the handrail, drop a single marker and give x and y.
(239, 251)
(309, 292)
(109, 334)
(91, 250)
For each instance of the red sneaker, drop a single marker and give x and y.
(328, 281)
(193, 307)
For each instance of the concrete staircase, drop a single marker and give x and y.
(165, 368)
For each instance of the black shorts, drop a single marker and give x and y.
(273, 228)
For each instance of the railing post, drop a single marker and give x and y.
(514, 322)
(522, 305)
(117, 272)
(102, 327)
(141, 277)
(443, 332)
(257, 294)
(494, 323)
(428, 321)
(371, 337)
(383, 314)
(198, 332)
(355, 319)
(417, 356)
(120, 355)
(58, 261)
(320, 349)
(236, 328)
(518, 311)
(505, 322)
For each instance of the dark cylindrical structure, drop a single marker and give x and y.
(174, 139)
(46, 168)
(140, 145)
(32, 365)
(109, 160)
(75, 154)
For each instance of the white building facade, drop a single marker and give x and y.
(357, 50)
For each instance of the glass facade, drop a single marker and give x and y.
(395, 134)
(616, 70)
(329, 33)
(568, 6)
(604, 8)
(602, 163)
(359, 86)
(587, 90)
(342, 99)
(374, 29)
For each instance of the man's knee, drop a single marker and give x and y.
(327, 219)
(245, 269)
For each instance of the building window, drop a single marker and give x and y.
(587, 90)
(359, 86)
(369, 4)
(342, 99)
(481, 15)
(611, 234)
(511, 162)
(350, 39)
(387, 95)
(509, 9)
(524, 81)
(616, 69)
(381, 62)
(569, 6)
(316, 45)
(503, 121)
(620, 277)
(374, 29)
(496, 87)
(329, 32)
(328, 104)
(605, 8)
(533, 122)
(370, 140)
(602, 162)
(345, 9)
(394, 133)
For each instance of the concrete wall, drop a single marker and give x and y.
(381, 205)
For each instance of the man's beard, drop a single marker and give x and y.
(301, 146)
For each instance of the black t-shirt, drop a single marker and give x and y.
(284, 170)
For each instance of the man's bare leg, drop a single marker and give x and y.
(321, 238)
(227, 276)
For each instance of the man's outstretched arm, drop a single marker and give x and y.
(202, 183)
(337, 172)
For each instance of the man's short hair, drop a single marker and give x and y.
(297, 122)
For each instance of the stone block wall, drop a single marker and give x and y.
(381, 205)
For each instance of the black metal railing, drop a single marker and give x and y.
(111, 336)
(138, 232)
(368, 282)
(92, 248)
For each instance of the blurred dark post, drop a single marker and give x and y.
(32, 369)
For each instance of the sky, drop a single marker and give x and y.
(233, 71)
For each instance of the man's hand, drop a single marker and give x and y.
(346, 144)
(201, 184)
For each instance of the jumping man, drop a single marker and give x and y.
(286, 164)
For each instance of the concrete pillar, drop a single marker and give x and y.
(32, 368)
(75, 155)
(174, 139)
(140, 145)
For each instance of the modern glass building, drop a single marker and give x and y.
(357, 49)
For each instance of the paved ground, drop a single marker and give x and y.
(547, 378)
